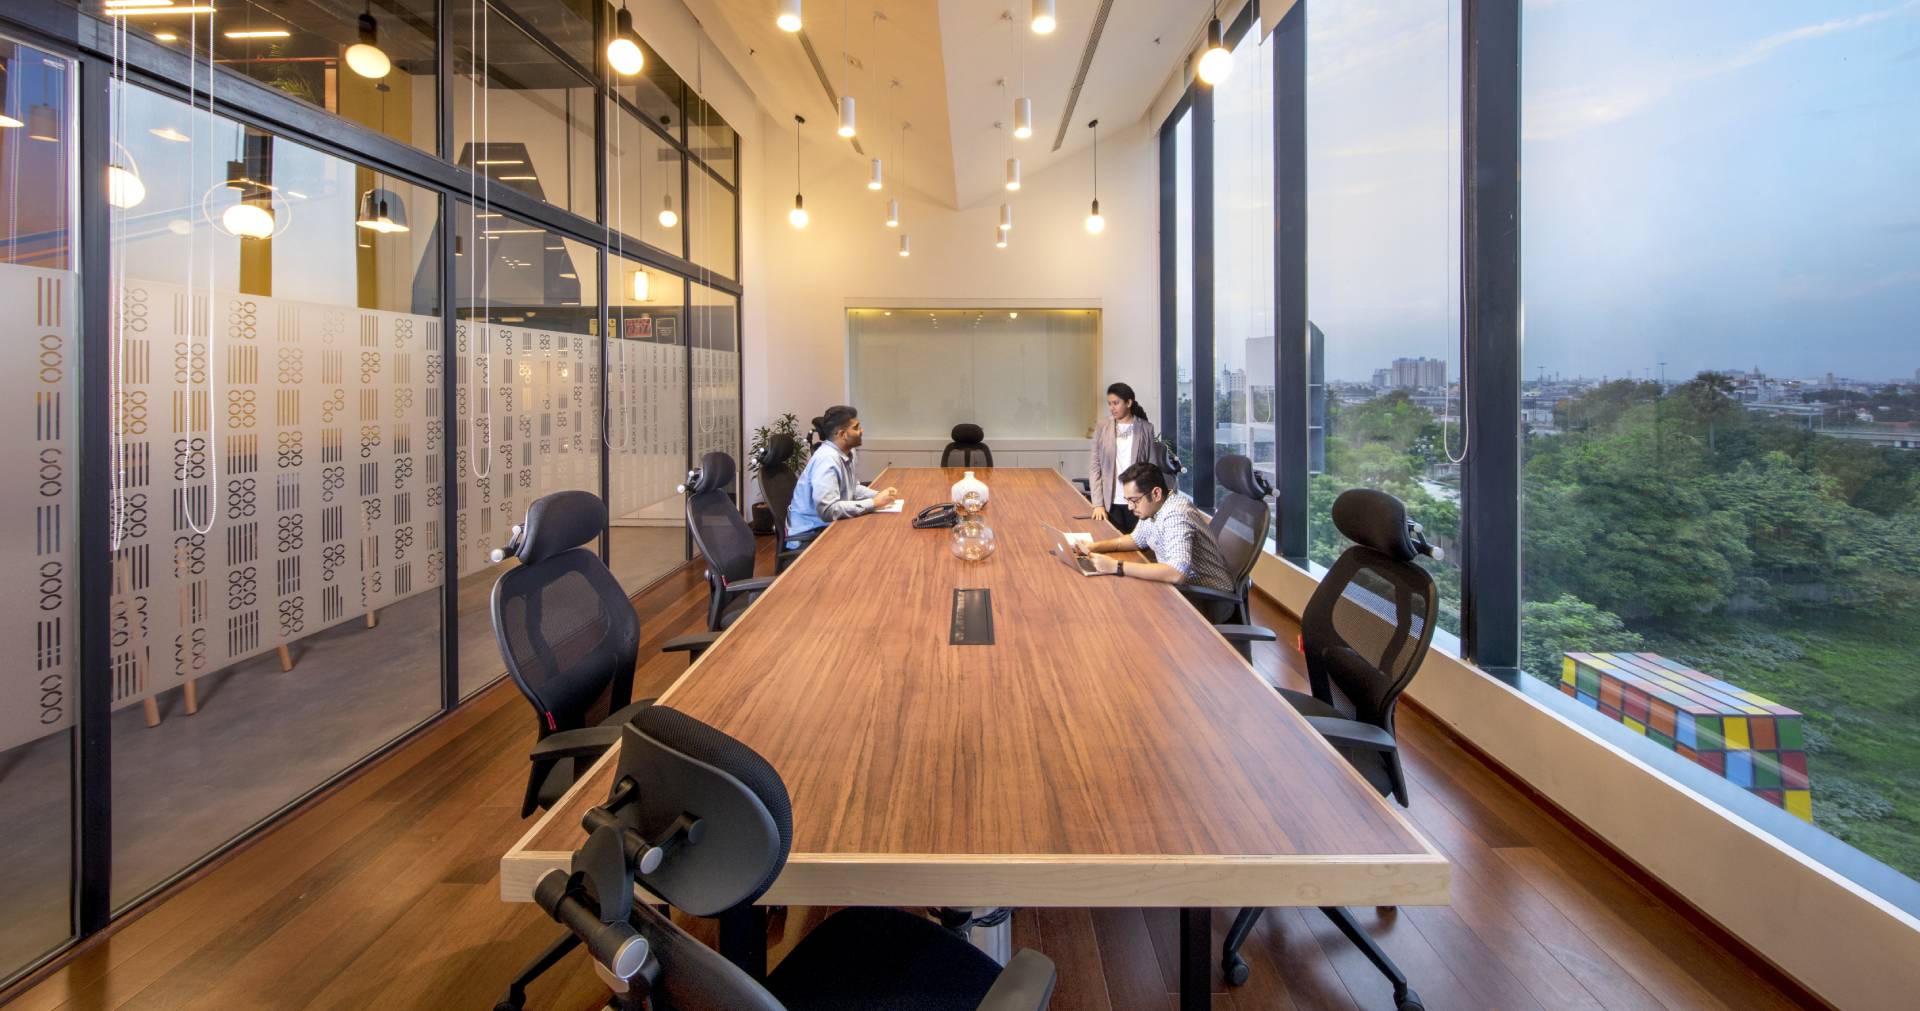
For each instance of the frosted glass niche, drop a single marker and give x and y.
(1018, 373)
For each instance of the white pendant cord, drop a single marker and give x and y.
(480, 205)
(607, 244)
(116, 473)
(706, 416)
(213, 376)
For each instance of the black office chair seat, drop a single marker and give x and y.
(882, 958)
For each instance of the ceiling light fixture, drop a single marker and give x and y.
(382, 211)
(169, 133)
(365, 57)
(259, 33)
(875, 181)
(846, 62)
(893, 214)
(789, 19)
(642, 287)
(1095, 223)
(1043, 20)
(798, 216)
(1022, 106)
(148, 8)
(124, 188)
(668, 218)
(999, 238)
(1006, 217)
(623, 51)
(1216, 63)
(1013, 174)
(906, 245)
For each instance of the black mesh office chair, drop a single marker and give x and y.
(1364, 632)
(703, 822)
(722, 537)
(1239, 527)
(968, 448)
(776, 486)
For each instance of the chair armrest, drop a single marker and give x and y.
(1246, 633)
(1353, 733)
(695, 644)
(584, 742)
(754, 585)
(1207, 593)
(1026, 984)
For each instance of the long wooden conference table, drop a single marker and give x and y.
(1108, 749)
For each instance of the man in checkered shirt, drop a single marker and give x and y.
(1175, 531)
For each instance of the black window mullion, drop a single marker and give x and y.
(1170, 278)
(1292, 404)
(1203, 379)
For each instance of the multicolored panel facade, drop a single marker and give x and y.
(1749, 739)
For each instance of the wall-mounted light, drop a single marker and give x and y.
(789, 19)
(1216, 63)
(623, 50)
(1043, 20)
(365, 57)
(1013, 174)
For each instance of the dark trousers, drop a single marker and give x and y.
(1122, 518)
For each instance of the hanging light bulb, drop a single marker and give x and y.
(893, 214)
(1043, 21)
(1023, 117)
(789, 19)
(1013, 174)
(642, 287)
(875, 181)
(668, 218)
(1006, 217)
(906, 245)
(365, 57)
(846, 116)
(798, 216)
(1216, 63)
(124, 188)
(623, 53)
(1095, 223)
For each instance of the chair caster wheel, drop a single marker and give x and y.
(1408, 1001)
(1235, 969)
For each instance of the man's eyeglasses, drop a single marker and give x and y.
(1134, 500)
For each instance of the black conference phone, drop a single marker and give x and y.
(943, 514)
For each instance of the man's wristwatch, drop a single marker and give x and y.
(1120, 568)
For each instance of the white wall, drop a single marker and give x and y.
(801, 282)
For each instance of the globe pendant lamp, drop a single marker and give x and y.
(365, 57)
(1216, 63)
(668, 218)
(623, 52)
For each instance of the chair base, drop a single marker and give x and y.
(1235, 968)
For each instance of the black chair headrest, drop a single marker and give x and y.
(1235, 473)
(715, 474)
(779, 449)
(966, 434)
(681, 766)
(560, 522)
(1376, 520)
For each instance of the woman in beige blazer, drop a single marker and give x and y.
(1124, 437)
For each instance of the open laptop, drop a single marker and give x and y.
(1063, 550)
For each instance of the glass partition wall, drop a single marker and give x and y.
(1687, 523)
(318, 347)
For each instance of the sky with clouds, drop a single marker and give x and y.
(1708, 183)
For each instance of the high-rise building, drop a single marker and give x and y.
(1421, 373)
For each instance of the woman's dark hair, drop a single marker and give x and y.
(829, 424)
(1125, 392)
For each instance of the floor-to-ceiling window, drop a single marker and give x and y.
(1721, 489)
(1181, 434)
(1383, 275)
(1243, 355)
(38, 153)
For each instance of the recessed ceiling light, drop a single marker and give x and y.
(258, 33)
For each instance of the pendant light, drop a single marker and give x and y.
(798, 216)
(7, 122)
(1022, 106)
(642, 287)
(1095, 223)
(668, 218)
(875, 181)
(999, 238)
(43, 122)
(365, 57)
(1013, 174)
(623, 52)
(124, 188)
(893, 204)
(248, 219)
(893, 214)
(382, 212)
(1043, 19)
(906, 245)
(1006, 217)
(789, 19)
(846, 61)
(1216, 63)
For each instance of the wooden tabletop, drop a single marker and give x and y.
(1110, 748)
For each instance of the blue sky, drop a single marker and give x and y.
(1709, 183)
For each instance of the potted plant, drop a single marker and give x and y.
(788, 425)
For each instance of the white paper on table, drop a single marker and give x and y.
(1076, 537)
(899, 505)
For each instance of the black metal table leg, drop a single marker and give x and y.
(743, 939)
(1196, 959)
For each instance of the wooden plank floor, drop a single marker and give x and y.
(385, 894)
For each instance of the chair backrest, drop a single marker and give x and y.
(566, 629)
(1368, 625)
(719, 532)
(1240, 518)
(777, 480)
(968, 448)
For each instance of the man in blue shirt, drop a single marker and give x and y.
(827, 490)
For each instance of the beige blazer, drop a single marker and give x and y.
(1103, 470)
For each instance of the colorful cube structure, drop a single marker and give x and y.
(1746, 738)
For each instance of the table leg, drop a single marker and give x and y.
(1196, 961)
(995, 940)
(743, 938)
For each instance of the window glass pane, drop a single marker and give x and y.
(1721, 407)
(657, 92)
(1020, 374)
(307, 50)
(280, 541)
(710, 206)
(643, 172)
(1243, 257)
(710, 139)
(1383, 269)
(524, 118)
(38, 151)
(527, 397)
(1183, 295)
(714, 349)
(646, 422)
